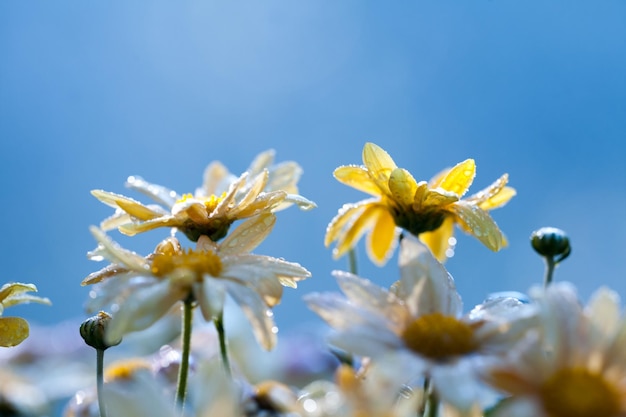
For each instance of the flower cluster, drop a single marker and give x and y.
(410, 349)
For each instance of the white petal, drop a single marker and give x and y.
(248, 235)
(425, 285)
(259, 315)
(158, 193)
(118, 255)
(210, 295)
(143, 308)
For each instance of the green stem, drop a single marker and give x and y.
(100, 381)
(352, 262)
(183, 371)
(433, 403)
(550, 265)
(219, 326)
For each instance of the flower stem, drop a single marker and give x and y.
(183, 371)
(433, 403)
(219, 326)
(352, 262)
(100, 381)
(550, 265)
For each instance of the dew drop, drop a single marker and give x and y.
(309, 405)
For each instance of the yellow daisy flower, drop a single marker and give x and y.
(145, 288)
(574, 367)
(425, 209)
(222, 199)
(14, 330)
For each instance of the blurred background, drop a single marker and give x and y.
(92, 92)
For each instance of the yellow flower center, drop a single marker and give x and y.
(439, 337)
(201, 262)
(210, 203)
(199, 220)
(578, 392)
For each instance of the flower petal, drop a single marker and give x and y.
(438, 240)
(477, 222)
(158, 193)
(357, 177)
(402, 186)
(215, 180)
(459, 178)
(346, 213)
(383, 237)
(248, 235)
(210, 295)
(129, 205)
(142, 308)
(379, 164)
(258, 314)
(118, 255)
(359, 226)
(13, 331)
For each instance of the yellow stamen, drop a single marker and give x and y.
(211, 202)
(578, 392)
(200, 262)
(126, 369)
(439, 337)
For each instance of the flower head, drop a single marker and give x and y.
(13, 330)
(144, 289)
(575, 366)
(222, 199)
(420, 320)
(425, 209)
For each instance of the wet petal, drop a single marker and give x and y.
(495, 195)
(459, 178)
(438, 198)
(402, 186)
(425, 285)
(383, 237)
(142, 308)
(13, 331)
(210, 295)
(379, 164)
(131, 229)
(129, 205)
(361, 225)
(258, 314)
(158, 193)
(346, 213)
(438, 240)
(215, 180)
(357, 177)
(248, 235)
(118, 255)
(477, 222)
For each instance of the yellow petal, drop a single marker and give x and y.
(361, 225)
(13, 331)
(357, 177)
(379, 164)
(477, 222)
(129, 205)
(438, 198)
(495, 195)
(499, 199)
(345, 215)
(131, 229)
(459, 178)
(381, 239)
(402, 186)
(438, 240)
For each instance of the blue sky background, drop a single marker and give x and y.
(92, 92)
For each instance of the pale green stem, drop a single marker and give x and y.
(352, 262)
(219, 326)
(183, 371)
(100, 381)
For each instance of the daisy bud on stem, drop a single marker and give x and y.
(93, 332)
(553, 244)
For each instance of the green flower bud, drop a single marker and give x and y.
(551, 242)
(93, 329)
